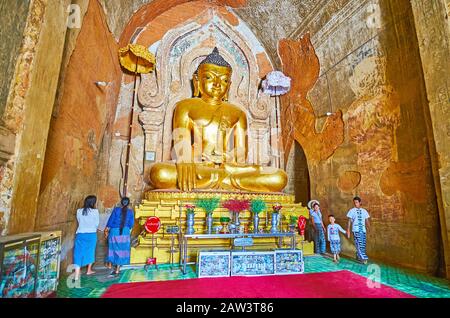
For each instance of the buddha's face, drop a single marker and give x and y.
(214, 81)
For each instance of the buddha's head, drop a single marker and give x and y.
(212, 79)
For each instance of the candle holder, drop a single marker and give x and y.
(224, 221)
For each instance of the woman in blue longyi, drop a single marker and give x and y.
(86, 236)
(118, 231)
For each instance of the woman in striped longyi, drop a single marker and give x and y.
(118, 231)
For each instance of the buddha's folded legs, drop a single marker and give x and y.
(228, 177)
(257, 178)
(165, 176)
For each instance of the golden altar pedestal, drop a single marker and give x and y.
(169, 206)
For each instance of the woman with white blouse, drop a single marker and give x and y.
(86, 236)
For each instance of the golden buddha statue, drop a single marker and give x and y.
(210, 140)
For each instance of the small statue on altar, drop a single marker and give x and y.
(210, 140)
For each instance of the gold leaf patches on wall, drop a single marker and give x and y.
(406, 177)
(348, 181)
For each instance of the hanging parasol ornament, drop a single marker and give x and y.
(137, 59)
(276, 84)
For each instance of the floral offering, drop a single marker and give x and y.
(277, 207)
(257, 206)
(209, 205)
(190, 208)
(236, 206)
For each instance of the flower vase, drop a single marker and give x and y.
(237, 222)
(292, 228)
(255, 223)
(275, 222)
(190, 223)
(209, 223)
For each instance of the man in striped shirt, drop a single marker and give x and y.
(358, 221)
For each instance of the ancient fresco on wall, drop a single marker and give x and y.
(374, 144)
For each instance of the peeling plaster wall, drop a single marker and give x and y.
(370, 70)
(119, 12)
(80, 133)
(11, 34)
(69, 47)
(274, 20)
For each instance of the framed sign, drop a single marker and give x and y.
(252, 263)
(150, 155)
(243, 242)
(213, 264)
(49, 263)
(19, 258)
(289, 262)
(172, 229)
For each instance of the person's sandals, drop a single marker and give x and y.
(113, 274)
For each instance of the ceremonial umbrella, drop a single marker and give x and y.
(276, 84)
(137, 59)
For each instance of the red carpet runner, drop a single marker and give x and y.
(341, 284)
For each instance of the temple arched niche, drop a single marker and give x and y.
(178, 51)
(298, 172)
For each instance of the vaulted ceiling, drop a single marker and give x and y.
(270, 20)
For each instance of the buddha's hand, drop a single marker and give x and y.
(214, 158)
(186, 176)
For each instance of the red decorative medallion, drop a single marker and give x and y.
(152, 225)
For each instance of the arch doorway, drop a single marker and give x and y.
(297, 170)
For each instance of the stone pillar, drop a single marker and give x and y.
(152, 121)
(30, 106)
(433, 32)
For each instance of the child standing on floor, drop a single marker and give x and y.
(333, 230)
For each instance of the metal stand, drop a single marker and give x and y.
(172, 250)
(147, 266)
(185, 237)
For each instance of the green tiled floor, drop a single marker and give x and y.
(409, 282)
